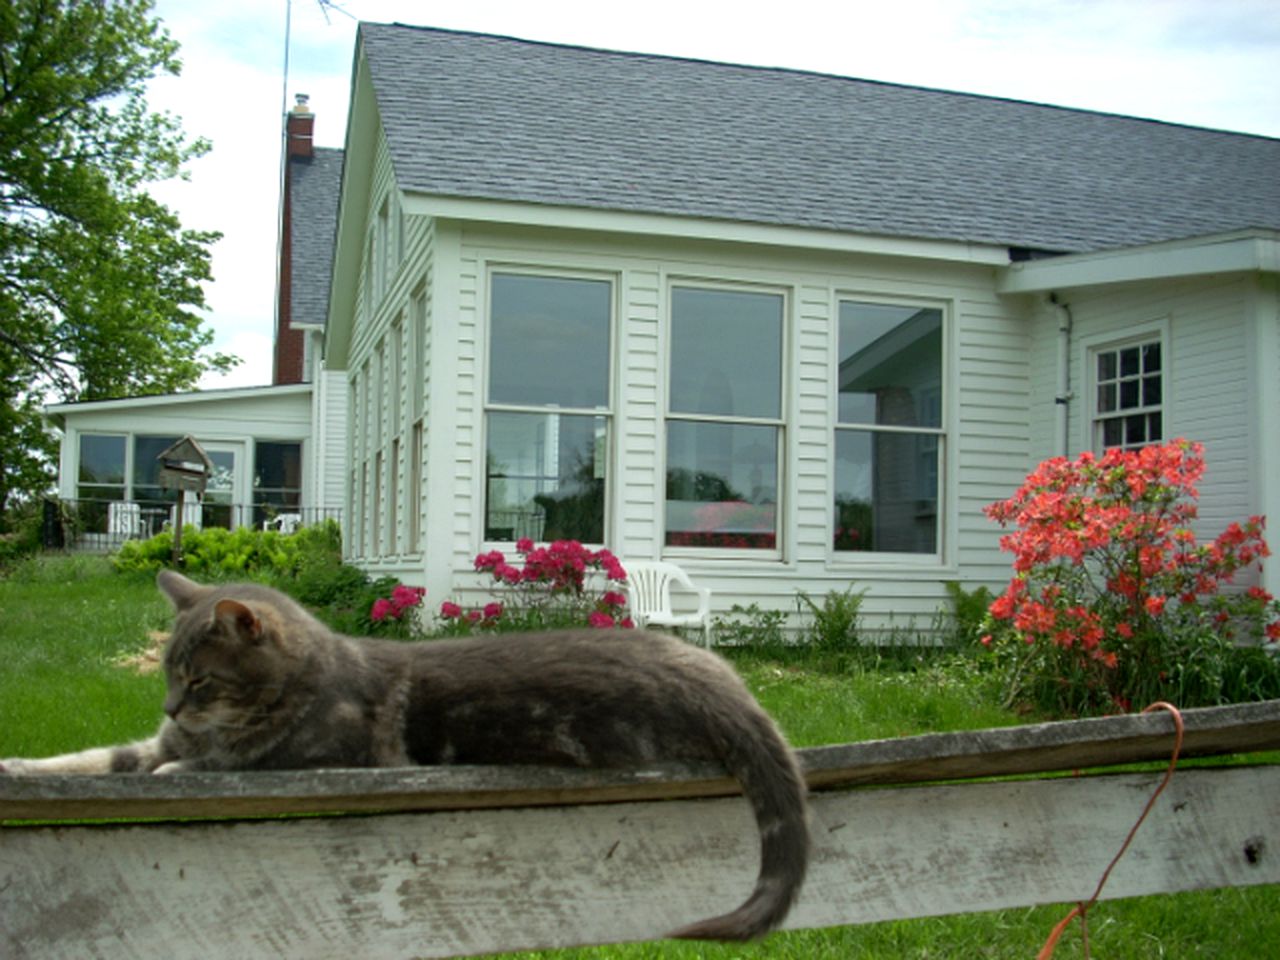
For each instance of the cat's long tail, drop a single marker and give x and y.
(762, 762)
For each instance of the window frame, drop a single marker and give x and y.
(1113, 342)
(943, 434)
(781, 424)
(487, 407)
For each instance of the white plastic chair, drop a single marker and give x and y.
(192, 513)
(124, 519)
(284, 522)
(649, 585)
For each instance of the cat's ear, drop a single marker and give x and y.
(242, 621)
(182, 593)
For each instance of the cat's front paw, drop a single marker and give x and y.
(173, 766)
(15, 767)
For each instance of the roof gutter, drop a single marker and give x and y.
(1245, 251)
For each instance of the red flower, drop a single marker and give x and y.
(450, 610)
(382, 608)
(600, 620)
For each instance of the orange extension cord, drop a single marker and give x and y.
(1081, 910)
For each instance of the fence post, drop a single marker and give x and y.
(52, 536)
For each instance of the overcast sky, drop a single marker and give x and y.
(1210, 63)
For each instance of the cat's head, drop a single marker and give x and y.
(233, 650)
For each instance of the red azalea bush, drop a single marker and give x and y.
(1114, 602)
(550, 588)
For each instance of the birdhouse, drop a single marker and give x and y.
(184, 466)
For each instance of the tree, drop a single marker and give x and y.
(100, 286)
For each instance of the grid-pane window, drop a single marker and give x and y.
(889, 428)
(1129, 395)
(547, 418)
(724, 419)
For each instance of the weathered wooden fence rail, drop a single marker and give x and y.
(457, 861)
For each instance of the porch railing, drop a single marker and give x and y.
(103, 525)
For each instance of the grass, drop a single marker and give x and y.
(65, 622)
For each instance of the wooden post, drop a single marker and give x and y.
(177, 527)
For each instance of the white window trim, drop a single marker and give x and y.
(1092, 345)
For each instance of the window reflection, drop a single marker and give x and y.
(721, 485)
(889, 428)
(726, 353)
(545, 476)
(549, 341)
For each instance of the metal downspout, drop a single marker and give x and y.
(1062, 392)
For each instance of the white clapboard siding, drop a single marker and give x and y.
(505, 858)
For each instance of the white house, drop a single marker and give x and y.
(791, 330)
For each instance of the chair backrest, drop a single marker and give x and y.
(649, 585)
(124, 518)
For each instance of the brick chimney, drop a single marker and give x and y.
(289, 345)
(298, 129)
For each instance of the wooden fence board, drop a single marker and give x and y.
(456, 882)
(949, 756)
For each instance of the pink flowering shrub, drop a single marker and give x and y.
(397, 613)
(1114, 602)
(557, 585)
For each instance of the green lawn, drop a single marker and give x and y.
(65, 624)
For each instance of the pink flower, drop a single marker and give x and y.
(612, 598)
(628, 624)
(403, 597)
(600, 620)
(492, 611)
(487, 561)
(524, 545)
(450, 610)
(382, 608)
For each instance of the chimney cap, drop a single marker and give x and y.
(301, 103)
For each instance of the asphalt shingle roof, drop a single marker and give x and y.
(314, 185)
(469, 115)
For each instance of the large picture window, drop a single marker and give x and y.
(889, 428)
(547, 417)
(724, 418)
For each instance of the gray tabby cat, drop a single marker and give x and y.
(256, 683)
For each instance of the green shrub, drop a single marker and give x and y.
(969, 612)
(752, 628)
(835, 626)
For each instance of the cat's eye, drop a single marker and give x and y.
(195, 683)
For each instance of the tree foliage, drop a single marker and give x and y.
(100, 286)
